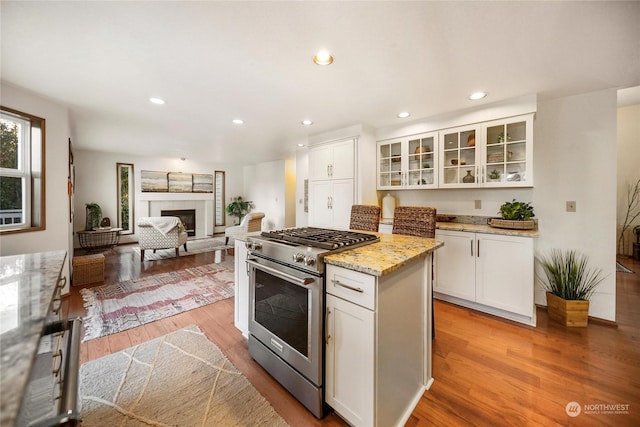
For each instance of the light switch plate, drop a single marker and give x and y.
(571, 206)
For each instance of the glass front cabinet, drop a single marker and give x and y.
(408, 162)
(491, 154)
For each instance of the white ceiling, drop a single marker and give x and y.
(216, 61)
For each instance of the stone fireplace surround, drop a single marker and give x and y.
(204, 212)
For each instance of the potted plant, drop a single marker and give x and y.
(515, 215)
(494, 175)
(239, 208)
(94, 215)
(569, 283)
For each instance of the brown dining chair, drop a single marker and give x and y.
(365, 217)
(417, 221)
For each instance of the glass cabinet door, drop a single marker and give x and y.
(421, 161)
(508, 152)
(390, 165)
(458, 155)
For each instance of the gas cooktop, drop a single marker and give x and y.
(321, 237)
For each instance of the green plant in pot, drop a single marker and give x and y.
(514, 215)
(494, 174)
(569, 283)
(94, 215)
(238, 208)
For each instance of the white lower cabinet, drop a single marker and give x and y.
(378, 357)
(349, 360)
(241, 289)
(493, 273)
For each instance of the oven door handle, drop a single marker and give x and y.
(300, 281)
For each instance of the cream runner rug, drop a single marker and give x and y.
(180, 379)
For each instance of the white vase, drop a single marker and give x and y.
(388, 206)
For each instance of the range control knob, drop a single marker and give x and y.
(298, 257)
(309, 260)
(256, 246)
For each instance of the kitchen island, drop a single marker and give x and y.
(378, 329)
(31, 286)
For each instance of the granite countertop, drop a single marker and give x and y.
(27, 284)
(484, 228)
(475, 224)
(389, 254)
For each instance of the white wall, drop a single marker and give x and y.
(56, 235)
(265, 184)
(575, 159)
(96, 182)
(628, 167)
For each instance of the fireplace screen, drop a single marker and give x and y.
(187, 216)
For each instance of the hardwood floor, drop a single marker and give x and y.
(488, 371)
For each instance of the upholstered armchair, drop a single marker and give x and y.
(250, 222)
(161, 232)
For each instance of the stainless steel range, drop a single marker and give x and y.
(286, 293)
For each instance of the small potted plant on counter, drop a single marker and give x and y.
(515, 215)
(569, 284)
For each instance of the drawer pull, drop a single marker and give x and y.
(55, 309)
(338, 283)
(62, 282)
(326, 328)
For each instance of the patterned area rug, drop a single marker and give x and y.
(125, 305)
(621, 268)
(196, 246)
(180, 379)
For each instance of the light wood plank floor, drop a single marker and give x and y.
(488, 371)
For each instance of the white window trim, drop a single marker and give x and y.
(23, 170)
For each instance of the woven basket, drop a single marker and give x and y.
(88, 269)
(514, 225)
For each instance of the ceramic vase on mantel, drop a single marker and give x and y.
(573, 313)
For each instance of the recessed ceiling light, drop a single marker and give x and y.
(403, 115)
(307, 122)
(157, 101)
(477, 95)
(238, 121)
(301, 145)
(323, 58)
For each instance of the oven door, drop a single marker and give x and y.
(286, 307)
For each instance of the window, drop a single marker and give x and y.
(219, 197)
(22, 183)
(124, 177)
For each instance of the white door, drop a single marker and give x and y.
(342, 160)
(504, 273)
(341, 202)
(455, 264)
(320, 213)
(349, 365)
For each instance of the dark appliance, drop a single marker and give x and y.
(287, 303)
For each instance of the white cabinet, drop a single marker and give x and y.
(488, 272)
(495, 153)
(408, 162)
(349, 381)
(490, 154)
(378, 356)
(332, 183)
(241, 290)
(332, 161)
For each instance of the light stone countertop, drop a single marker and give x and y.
(27, 284)
(483, 228)
(389, 254)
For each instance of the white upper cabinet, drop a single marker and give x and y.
(498, 153)
(490, 154)
(332, 161)
(409, 162)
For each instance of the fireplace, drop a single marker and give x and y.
(187, 216)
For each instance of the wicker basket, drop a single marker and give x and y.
(514, 225)
(88, 269)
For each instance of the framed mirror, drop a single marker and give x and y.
(125, 203)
